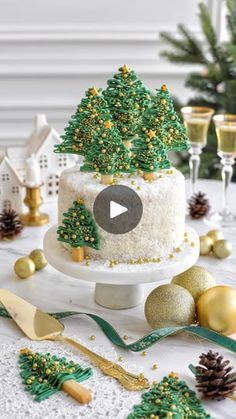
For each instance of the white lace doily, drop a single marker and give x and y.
(110, 400)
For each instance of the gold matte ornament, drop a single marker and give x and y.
(169, 305)
(38, 258)
(216, 309)
(206, 245)
(222, 249)
(215, 235)
(24, 267)
(196, 280)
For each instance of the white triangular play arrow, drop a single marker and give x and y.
(116, 209)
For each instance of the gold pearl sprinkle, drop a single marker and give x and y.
(173, 375)
(178, 249)
(133, 182)
(87, 263)
(186, 240)
(192, 244)
(125, 337)
(144, 353)
(157, 401)
(92, 337)
(87, 257)
(155, 366)
(120, 359)
(154, 383)
(138, 188)
(171, 256)
(185, 234)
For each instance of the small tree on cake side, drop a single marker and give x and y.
(108, 155)
(82, 126)
(149, 154)
(127, 99)
(78, 230)
(162, 118)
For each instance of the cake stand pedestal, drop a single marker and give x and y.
(120, 287)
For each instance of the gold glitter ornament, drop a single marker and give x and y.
(216, 309)
(206, 245)
(196, 280)
(169, 305)
(38, 258)
(24, 267)
(222, 249)
(215, 235)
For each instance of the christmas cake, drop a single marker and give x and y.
(124, 135)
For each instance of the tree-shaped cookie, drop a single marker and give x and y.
(162, 118)
(78, 230)
(149, 154)
(127, 99)
(44, 375)
(108, 155)
(82, 126)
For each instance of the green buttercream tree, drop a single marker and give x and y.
(45, 374)
(82, 126)
(127, 99)
(149, 154)
(171, 398)
(78, 230)
(108, 155)
(162, 118)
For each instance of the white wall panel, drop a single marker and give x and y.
(51, 51)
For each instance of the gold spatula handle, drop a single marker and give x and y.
(127, 380)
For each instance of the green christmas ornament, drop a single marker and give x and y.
(108, 155)
(44, 375)
(169, 305)
(78, 230)
(196, 280)
(149, 154)
(170, 399)
(162, 118)
(84, 124)
(127, 99)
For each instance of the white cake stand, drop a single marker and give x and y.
(120, 287)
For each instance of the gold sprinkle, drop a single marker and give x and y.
(192, 244)
(186, 240)
(125, 337)
(173, 375)
(144, 353)
(154, 383)
(120, 359)
(185, 234)
(92, 337)
(171, 256)
(133, 182)
(157, 401)
(87, 257)
(87, 263)
(178, 249)
(138, 188)
(155, 366)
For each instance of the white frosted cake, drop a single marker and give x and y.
(162, 225)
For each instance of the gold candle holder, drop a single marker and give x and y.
(33, 201)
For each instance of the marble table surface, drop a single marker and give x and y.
(53, 291)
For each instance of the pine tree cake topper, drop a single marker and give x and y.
(171, 398)
(149, 154)
(107, 155)
(82, 126)
(44, 375)
(127, 99)
(79, 230)
(163, 119)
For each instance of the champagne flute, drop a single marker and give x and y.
(196, 120)
(225, 126)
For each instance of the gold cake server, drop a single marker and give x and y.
(38, 325)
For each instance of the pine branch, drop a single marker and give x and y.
(201, 84)
(231, 19)
(194, 45)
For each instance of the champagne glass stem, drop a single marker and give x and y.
(194, 163)
(227, 172)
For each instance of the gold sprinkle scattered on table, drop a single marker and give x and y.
(92, 337)
(144, 353)
(155, 366)
(171, 256)
(87, 263)
(192, 244)
(178, 249)
(125, 337)
(120, 359)
(138, 188)
(154, 383)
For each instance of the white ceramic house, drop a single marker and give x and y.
(41, 144)
(11, 191)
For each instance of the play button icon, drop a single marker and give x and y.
(118, 209)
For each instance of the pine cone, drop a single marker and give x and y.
(198, 205)
(10, 224)
(214, 377)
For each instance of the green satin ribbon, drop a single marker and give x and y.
(148, 340)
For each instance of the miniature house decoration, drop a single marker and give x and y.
(11, 190)
(40, 144)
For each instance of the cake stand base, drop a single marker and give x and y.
(120, 287)
(117, 297)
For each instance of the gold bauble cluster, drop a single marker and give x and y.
(26, 266)
(214, 242)
(193, 296)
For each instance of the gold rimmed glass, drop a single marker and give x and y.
(196, 120)
(225, 126)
